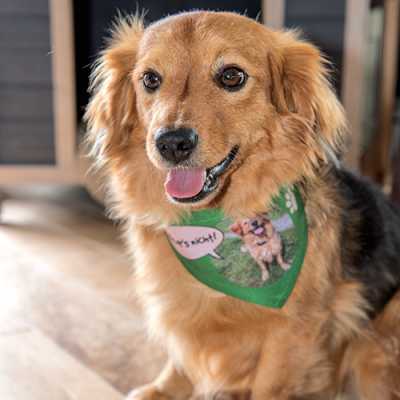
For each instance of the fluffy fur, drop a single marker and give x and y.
(339, 331)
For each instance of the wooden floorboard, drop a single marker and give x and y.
(64, 273)
(42, 370)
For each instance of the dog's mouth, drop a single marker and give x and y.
(258, 231)
(190, 185)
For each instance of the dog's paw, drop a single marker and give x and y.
(264, 275)
(148, 392)
(285, 266)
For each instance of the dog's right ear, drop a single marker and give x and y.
(111, 112)
(236, 228)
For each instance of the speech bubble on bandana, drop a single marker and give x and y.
(193, 242)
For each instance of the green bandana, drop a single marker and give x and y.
(257, 259)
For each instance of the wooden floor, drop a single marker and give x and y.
(70, 327)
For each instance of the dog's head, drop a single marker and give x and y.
(258, 225)
(253, 227)
(209, 108)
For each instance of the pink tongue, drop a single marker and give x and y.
(259, 231)
(184, 183)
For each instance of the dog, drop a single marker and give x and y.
(214, 110)
(263, 243)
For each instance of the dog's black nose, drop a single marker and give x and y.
(254, 223)
(176, 145)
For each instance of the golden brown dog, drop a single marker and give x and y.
(212, 109)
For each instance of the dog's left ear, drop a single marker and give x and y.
(300, 88)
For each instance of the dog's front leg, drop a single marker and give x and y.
(264, 270)
(170, 384)
(292, 365)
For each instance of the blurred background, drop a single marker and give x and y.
(69, 326)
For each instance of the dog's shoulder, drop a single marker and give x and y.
(370, 238)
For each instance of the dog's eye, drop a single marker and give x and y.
(151, 81)
(231, 78)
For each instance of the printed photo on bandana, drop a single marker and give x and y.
(257, 251)
(256, 259)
